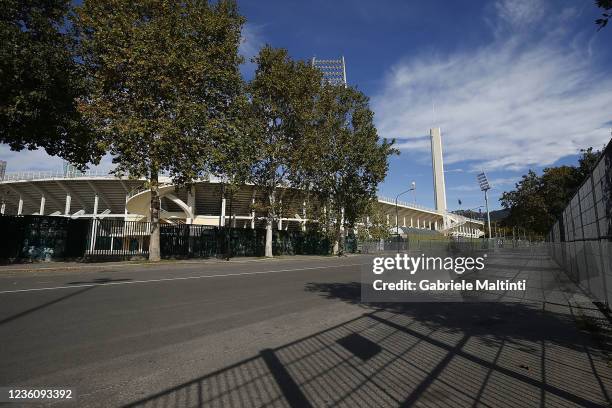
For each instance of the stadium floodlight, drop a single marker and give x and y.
(334, 70)
(483, 182)
(485, 186)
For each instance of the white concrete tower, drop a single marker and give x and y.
(438, 170)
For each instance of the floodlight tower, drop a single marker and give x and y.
(334, 70)
(485, 186)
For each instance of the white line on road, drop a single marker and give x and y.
(85, 285)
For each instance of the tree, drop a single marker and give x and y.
(40, 82)
(345, 159)
(282, 95)
(606, 6)
(375, 225)
(586, 163)
(528, 207)
(538, 201)
(164, 79)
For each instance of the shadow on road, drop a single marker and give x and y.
(44, 305)
(99, 281)
(434, 354)
(94, 283)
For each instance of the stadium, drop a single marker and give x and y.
(93, 195)
(103, 197)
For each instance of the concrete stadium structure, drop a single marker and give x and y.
(102, 196)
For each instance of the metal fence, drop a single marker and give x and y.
(424, 243)
(32, 238)
(443, 244)
(35, 238)
(581, 240)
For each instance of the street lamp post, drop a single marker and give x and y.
(484, 186)
(412, 188)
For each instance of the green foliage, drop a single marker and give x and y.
(537, 201)
(375, 225)
(344, 159)
(165, 89)
(606, 6)
(282, 96)
(40, 82)
(164, 78)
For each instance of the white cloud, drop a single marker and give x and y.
(519, 13)
(497, 184)
(28, 160)
(39, 160)
(511, 104)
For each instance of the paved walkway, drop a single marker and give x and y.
(294, 333)
(547, 349)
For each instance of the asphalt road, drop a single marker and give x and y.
(120, 333)
(292, 333)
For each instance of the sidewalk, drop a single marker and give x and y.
(546, 349)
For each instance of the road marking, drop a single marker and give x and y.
(86, 285)
(163, 262)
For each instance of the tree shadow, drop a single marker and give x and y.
(512, 322)
(99, 281)
(413, 354)
(44, 305)
(90, 285)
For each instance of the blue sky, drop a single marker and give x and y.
(514, 84)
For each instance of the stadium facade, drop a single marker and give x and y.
(75, 194)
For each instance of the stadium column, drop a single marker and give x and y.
(42, 205)
(436, 225)
(404, 224)
(95, 209)
(304, 215)
(67, 207)
(20, 206)
(411, 223)
(3, 208)
(94, 225)
(418, 223)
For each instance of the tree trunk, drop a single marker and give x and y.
(269, 238)
(269, 222)
(337, 237)
(154, 247)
